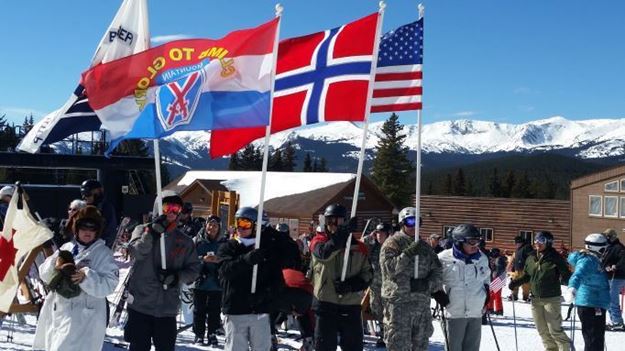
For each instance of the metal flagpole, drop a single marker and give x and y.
(361, 159)
(418, 171)
(263, 179)
(159, 201)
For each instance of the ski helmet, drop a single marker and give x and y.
(247, 213)
(406, 213)
(283, 228)
(464, 232)
(213, 218)
(596, 243)
(187, 208)
(544, 237)
(88, 186)
(335, 210)
(384, 227)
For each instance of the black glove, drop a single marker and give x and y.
(352, 284)
(159, 225)
(168, 277)
(255, 256)
(414, 248)
(441, 298)
(340, 237)
(513, 285)
(487, 289)
(342, 288)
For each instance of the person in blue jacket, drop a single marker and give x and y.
(589, 287)
(207, 293)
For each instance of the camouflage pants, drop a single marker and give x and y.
(377, 308)
(407, 326)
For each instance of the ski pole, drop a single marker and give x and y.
(444, 328)
(516, 343)
(493, 330)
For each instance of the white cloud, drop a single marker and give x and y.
(162, 39)
(464, 114)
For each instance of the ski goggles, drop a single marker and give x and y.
(410, 222)
(541, 240)
(472, 241)
(89, 225)
(171, 208)
(244, 223)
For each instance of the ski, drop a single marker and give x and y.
(120, 232)
(183, 328)
(121, 303)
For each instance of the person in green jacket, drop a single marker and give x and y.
(546, 270)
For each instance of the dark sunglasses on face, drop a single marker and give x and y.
(410, 222)
(244, 223)
(171, 208)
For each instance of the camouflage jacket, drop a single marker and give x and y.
(398, 270)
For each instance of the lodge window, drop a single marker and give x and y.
(622, 207)
(623, 185)
(595, 205)
(611, 206)
(611, 187)
(487, 234)
(528, 235)
(447, 230)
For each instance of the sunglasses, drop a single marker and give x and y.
(472, 242)
(171, 208)
(72, 209)
(244, 223)
(410, 222)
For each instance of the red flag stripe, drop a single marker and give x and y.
(384, 77)
(396, 107)
(397, 92)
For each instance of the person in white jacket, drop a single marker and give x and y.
(73, 316)
(466, 277)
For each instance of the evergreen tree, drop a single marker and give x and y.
(448, 185)
(470, 191)
(508, 184)
(288, 158)
(258, 159)
(459, 185)
(521, 188)
(391, 168)
(315, 166)
(307, 163)
(495, 184)
(132, 147)
(429, 190)
(323, 165)
(248, 158)
(275, 161)
(233, 164)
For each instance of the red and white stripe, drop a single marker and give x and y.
(497, 283)
(397, 88)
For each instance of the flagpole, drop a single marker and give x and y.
(159, 201)
(418, 171)
(361, 158)
(263, 179)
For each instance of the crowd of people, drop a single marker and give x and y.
(326, 280)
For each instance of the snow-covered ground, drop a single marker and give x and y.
(527, 336)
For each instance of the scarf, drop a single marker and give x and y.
(460, 255)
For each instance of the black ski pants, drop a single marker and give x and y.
(206, 312)
(338, 321)
(593, 327)
(142, 329)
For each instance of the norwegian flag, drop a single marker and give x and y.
(497, 283)
(398, 75)
(320, 77)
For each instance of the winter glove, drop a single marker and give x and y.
(255, 256)
(158, 226)
(441, 298)
(168, 277)
(569, 295)
(513, 285)
(415, 248)
(487, 299)
(353, 284)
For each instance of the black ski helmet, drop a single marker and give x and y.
(88, 186)
(384, 227)
(463, 232)
(335, 210)
(187, 208)
(544, 237)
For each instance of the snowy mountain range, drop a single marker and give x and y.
(587, 139)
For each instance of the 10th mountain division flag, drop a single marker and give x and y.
(127, 34)
(320, 77)
(196, 84)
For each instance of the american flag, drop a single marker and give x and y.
(497, 283)
(397, 84)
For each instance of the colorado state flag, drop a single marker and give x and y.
(196, 84)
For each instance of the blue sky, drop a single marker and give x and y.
(496, 60)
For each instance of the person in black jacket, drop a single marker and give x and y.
(613, 261)
(92, 193)
(523, 250)
(247, 314)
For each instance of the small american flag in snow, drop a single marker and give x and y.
(398, 76)
(497, 283)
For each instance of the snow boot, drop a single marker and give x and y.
(212, 340)
(198, 340)
(615, 327)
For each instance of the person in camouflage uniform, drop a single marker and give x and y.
(407, 315)
(374, 242)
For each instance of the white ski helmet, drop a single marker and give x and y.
(596, 243)
(405, 213)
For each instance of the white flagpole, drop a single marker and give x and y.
(361, 159)
(418, 172)
(159, 202)
(263, 179)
